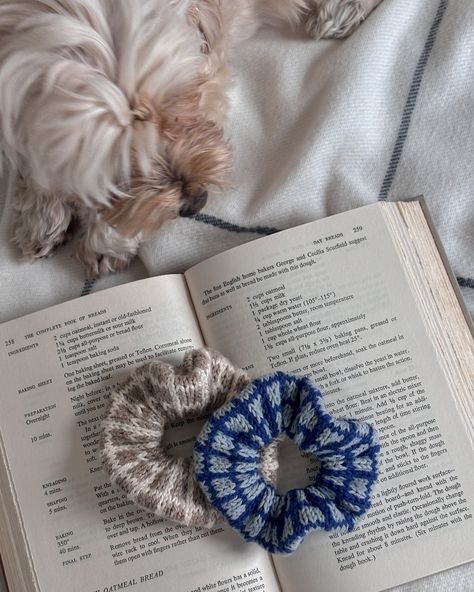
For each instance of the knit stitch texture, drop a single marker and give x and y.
(227, 463)
(132, 450)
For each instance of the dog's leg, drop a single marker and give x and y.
(321, 18)
(337, 18)
(41, 221)
(224, 24)
(101, 248)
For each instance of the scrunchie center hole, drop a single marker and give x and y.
(179, 436)
(298, 469)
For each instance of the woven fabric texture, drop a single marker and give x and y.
(132, 448)
(227, 463)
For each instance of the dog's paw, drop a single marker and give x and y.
(37, 242)
(335, 19)
(97, 265)
(42, 248)
(41, 221)
(102, 250)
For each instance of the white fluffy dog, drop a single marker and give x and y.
(112, 111)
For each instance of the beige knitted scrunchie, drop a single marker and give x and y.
(156, 394)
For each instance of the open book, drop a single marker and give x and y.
(361, 301)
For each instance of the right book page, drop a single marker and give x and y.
(331, 300)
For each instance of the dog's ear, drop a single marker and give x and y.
(207, 17)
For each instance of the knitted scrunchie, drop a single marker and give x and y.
(228, 448)
(156, 394)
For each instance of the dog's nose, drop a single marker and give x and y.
(192, 203)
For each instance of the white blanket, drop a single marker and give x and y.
(320, 128)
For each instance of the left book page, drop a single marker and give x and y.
(76, 531)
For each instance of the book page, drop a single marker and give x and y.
(330, 300)
(83, 535)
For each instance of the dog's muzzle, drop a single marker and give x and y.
(192, 203)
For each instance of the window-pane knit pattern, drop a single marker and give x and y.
(226, 456)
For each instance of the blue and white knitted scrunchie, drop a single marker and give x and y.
(227, 463)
